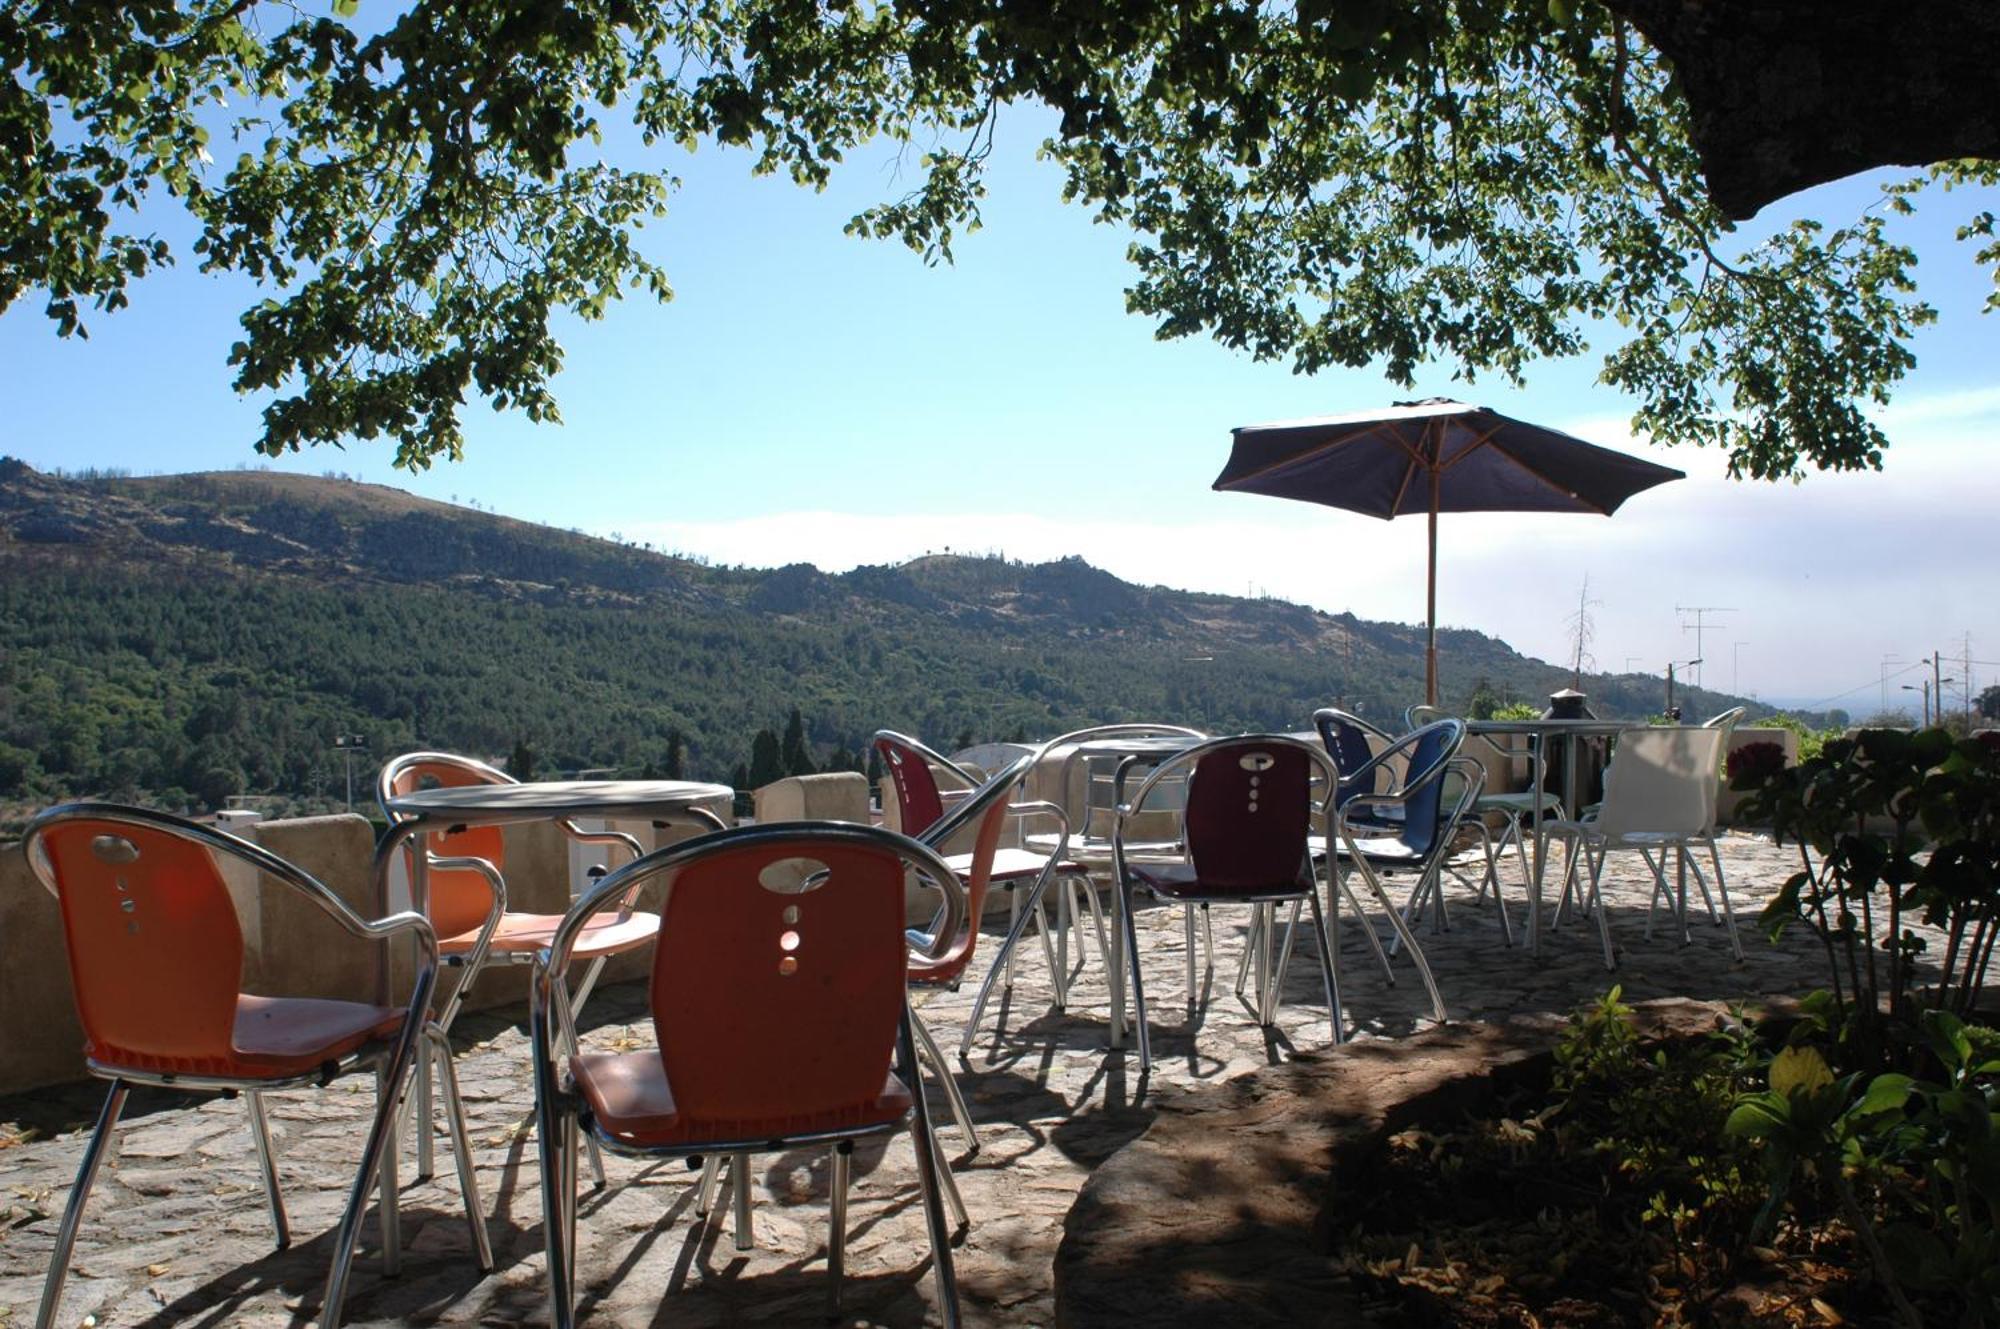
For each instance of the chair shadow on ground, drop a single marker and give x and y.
(435, 1275)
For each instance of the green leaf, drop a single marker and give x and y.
(1759, 1118)
(1799, 1070)
(1885, 1093)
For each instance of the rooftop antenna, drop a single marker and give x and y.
(1699, 611)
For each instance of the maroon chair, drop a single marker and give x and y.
(1246, 832)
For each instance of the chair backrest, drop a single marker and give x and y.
(459, 899)
(778, 979)
(985, 808)
(1432, 749)
(919, 803)
(155, 948)
(1249, 810)
(1663, 781)
(772, 1003)
(1347, 740)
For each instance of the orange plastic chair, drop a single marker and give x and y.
(779, 1008)
(156, 962)
(1024, 872)
(466, 902)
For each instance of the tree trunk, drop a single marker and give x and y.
(1787, 94)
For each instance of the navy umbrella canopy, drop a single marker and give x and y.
(1430, 457)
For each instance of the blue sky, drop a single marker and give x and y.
(811, 397)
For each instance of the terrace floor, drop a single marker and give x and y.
(176, 1232)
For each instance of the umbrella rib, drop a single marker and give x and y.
(1599, 509)
(1416, 464)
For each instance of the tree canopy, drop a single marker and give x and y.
(1485, 183)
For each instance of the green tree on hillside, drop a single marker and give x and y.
(795, 754)
(1483, 182)
(766, 762)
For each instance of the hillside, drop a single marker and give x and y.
(187, 638)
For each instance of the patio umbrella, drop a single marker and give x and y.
(1433, 456)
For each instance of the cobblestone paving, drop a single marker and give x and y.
(176, 1231)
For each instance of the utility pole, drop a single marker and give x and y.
(1882, 705)
(1699, 611)
(1695, 663)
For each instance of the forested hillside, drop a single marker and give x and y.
(186, 639)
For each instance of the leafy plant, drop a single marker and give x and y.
(1891, 827)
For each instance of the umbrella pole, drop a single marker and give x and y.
(1431, 600)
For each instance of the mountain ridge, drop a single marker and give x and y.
(216, 629)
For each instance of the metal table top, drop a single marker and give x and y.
(502, 804)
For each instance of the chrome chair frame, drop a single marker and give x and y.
(1056, 867)
(390, 1061)
(561, 1113)
(401, 833)
(1307, 888)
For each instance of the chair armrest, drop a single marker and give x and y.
(581, 836)
(1025, 811)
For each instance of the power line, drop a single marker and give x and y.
(1821, 705)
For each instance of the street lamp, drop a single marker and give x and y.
(1929, 708)
(347, 745)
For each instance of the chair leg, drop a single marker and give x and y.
(570, 1132)
(566, 1022)
(1138, 983)
(1409, 940)
(378, 1165)
(1014, 925)
(1187, 931)
(1597, 900)
(86, 1176)
(739, 1184)
(1283, 967)
(953, 1200)
(1001, 970)
(1038, 907)
(928, 1049)
(424, 1125)
(704, 1195)
(1065, 917)
(260, 1130)
(391, 1199)
(461, 1149)
(1728, 913)
(928, 1173)
(1328, 979)
(1089, 890)
(836, 1234)
(549, 1109)
(1250, 942)
(1367, 928)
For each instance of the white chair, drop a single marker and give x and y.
(1659, 794)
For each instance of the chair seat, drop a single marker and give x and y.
(1178, 881)
(1383, 850)
(274, 1038)
(1008, 864)
(527, 933)
(629, 1097)
(1099, 851)
(1521, 802)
